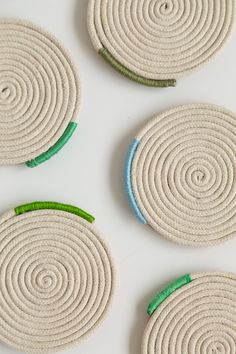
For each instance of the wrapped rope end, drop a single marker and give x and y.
(128, 181)
(26, 208)
(55, 148)
(164, 294)
(133, 76)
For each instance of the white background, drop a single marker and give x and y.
(88, 172)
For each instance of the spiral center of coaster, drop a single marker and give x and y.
(5, 92)
(199, 178)
(217, 348)
(13, 96)
(45, 279)
(163, 8)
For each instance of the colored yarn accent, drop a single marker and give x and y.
(131, 75)
(198, 318)
(184, 174)
(53, 206)
(128, 181)
(39, 94)
(157, 40)
(56, 279)
(160, 298)
(55, 148)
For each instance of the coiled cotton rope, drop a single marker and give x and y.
(181, 174)
(56, 277)
(39, 94)
(198, 318)
(156, 42)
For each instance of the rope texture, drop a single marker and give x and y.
(39, 91)
(56, 280)
(199, 318)
(160, 39)
(184, 174)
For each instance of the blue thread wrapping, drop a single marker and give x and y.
(128, 182)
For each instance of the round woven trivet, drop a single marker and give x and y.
(181, 174)
(56, 277)
(39, 94)
(155, 42)
(194, 315)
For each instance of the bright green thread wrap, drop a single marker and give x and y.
(131, 75)
(164, 294)
(56, 206)
(55, 148)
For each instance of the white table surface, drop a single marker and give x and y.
(88, 172)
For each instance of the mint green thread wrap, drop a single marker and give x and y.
(55, 148)
(25, 208)
(164, 294)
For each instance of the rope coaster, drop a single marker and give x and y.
(181, 174)
(39, 94)
(56, 277)
(155, 42)
(196, 314)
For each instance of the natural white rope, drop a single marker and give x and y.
(39, 91)
(56, 280)
(199, 318)
(161, 39)
(184, 174)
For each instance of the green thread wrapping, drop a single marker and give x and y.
(131, 75)
(25, 208)
(55, 148)
(164, 294)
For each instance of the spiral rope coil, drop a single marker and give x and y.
(39, 94)
(155, 42)
(198, 318)
(181, 174)
(56, 277)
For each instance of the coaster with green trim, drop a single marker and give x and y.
(56, 277)
(181, 174)
(196, 314)
(156, 42)
(39, 94)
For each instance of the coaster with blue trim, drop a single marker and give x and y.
(156, 42)
(181, 174)
(39, 94)
(195, 314)
(56, 277)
